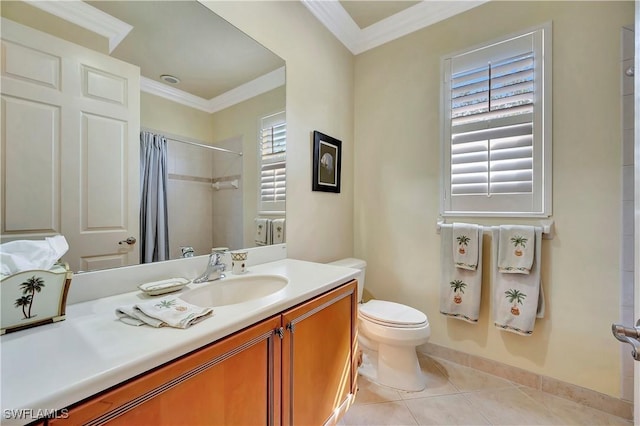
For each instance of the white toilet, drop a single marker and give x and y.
(388, 334)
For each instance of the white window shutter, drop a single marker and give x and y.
(273, 173)
(496, 147)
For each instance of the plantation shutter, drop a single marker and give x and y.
(273, 147)
(494, 99)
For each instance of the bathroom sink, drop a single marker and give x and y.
(234, 289)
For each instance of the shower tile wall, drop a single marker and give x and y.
(627, 264)
(189, 198)
(227, 203)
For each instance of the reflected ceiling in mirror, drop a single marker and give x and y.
(186, 40)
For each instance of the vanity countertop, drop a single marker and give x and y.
(53, 366)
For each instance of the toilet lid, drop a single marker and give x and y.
(394, 314)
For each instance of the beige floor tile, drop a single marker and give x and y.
(511, 407)
(445, 410)
(467, 379)
(572, 413)
(369, 392)
(385, 413)
(437, 381)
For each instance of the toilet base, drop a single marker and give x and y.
(395, 367)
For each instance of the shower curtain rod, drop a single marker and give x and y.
(181, 139)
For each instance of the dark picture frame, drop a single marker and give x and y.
(327, 160)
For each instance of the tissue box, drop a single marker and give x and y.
(32, 298)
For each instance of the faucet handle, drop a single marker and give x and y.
(216, 255)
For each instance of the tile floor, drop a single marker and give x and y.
(458, 395)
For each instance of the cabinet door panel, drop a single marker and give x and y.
(228, 383)
(318, 353)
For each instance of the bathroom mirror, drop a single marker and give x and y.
(229, 87)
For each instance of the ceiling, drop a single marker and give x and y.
(367, 12)
(187, 40)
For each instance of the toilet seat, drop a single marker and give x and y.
(392, 314)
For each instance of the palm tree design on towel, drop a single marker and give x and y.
(516, 297)
(458, 288)
(166, 303)
(463, 241)
(32, 285)
(518, 241)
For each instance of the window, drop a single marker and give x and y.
(272, 157)
(497, 128)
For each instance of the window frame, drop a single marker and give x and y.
(483, 205)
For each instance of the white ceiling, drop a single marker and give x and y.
(368, 12)
(187, 40)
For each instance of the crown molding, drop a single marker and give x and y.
(171, 93)
(256, 87)
(87, 16)
(357, 40)
(248, 90)
(409, 20)
(333, 16)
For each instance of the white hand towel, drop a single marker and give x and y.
(167, 311)
(518, 299)
(261, 231)
(466, 237)
(460, 289)
(277, 231)
(131, 315)
(516, 249)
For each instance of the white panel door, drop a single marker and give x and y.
(70, 148)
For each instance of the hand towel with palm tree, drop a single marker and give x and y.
(516, 249)
(517, 298)
(467, 241)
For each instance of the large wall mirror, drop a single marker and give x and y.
(203, 83)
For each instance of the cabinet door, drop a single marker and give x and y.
(318, 357)
(231, 382)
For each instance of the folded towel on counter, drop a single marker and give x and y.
(460, 289)
(262, 231)
(466, 238)
(516, 249)
(277, 231)
(518, 299)
(167, 311)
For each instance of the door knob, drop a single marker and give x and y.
(628, 335)
(130, 241)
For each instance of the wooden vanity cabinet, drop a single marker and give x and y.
(227, 383)
(319, 357)
(294, 368)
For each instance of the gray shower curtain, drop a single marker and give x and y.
(154, 228)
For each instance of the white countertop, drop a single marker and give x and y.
(53, 366)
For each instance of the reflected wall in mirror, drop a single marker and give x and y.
(229, 88)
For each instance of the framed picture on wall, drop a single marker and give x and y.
(327, 157)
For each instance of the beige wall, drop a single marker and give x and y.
(397, 166)
(167, 116)
(243, 120)
(319, 97)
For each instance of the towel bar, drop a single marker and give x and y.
(547, 228)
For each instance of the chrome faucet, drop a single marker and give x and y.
(187, 251)
(215, 267)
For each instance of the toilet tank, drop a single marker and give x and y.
(360, 264)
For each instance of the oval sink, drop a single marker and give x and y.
(235, 289)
